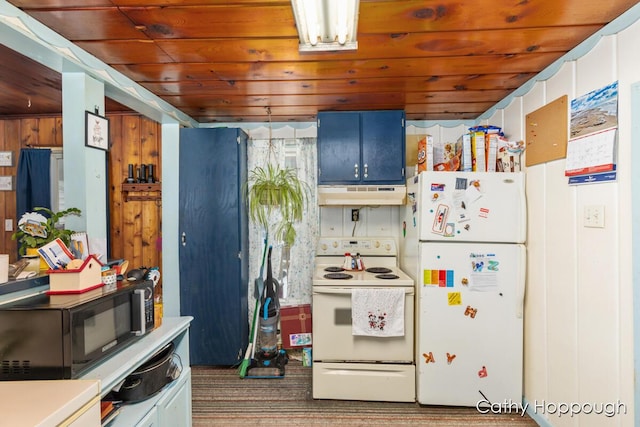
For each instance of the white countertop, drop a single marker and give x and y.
(43, 403)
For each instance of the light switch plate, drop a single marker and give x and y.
(8, 225)
(6, 158)
(594, 216)
(6, 183)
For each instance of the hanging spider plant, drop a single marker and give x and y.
(272, 190)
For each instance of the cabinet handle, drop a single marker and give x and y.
(355, 170)
(183, 239)
(366, 170)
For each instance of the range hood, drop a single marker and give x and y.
(358, 195)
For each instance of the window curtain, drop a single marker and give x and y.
(300, 154)
(33, 184)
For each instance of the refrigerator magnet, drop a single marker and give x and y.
(482, 373)
(440, 219)
(450, 358)
(454, 298)
(471, 312)
(428, 357)
(449, 229)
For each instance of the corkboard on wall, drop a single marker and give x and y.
(546, 132)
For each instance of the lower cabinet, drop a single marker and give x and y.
(171, 407)
(149, 420)
(174, 409)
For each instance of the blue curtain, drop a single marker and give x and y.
(33, 185)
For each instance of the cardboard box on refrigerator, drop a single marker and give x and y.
(295, 326)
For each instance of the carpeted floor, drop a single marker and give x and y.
(221, 398)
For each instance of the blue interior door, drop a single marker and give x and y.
(214, 243)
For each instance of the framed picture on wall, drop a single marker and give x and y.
(97, 131)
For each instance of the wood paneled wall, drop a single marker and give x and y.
(134, 226)
(16, 134)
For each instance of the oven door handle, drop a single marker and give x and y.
(347, 291)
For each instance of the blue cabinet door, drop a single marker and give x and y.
(383, 147)
(214, 243)
(338, 147)
(361, 147)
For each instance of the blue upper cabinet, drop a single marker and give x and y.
(361, 147)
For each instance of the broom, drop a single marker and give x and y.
(248, 355)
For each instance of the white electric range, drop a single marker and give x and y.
(348, 365)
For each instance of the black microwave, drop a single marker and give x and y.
(46, 337)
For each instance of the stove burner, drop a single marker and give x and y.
(378, 270)
(334, 269)
(387, 276)
(338, 276)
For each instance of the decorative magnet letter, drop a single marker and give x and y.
(450, 358)
(471, 312)
(477, 266)
(465, 281)
(482, 373)
(428, 358)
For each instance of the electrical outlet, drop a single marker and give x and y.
(355, 214)
(594, 216)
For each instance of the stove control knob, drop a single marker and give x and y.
(376, 244)
(387, 247)
(335, 244)
(323, 246)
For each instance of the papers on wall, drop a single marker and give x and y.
(590, 154)
(591, 151)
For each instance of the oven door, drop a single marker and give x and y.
(333, 340)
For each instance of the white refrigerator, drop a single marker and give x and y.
(463, 244)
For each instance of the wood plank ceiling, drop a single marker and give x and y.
(228, 60)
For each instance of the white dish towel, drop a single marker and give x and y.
(377, 312)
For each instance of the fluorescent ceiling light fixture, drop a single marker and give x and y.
(326, 25)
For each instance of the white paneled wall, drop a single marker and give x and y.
(578, 312)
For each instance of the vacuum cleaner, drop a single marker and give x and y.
(268, 361)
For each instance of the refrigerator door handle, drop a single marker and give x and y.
(520, 289)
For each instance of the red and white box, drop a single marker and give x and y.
(295, 326)
(78, 280)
